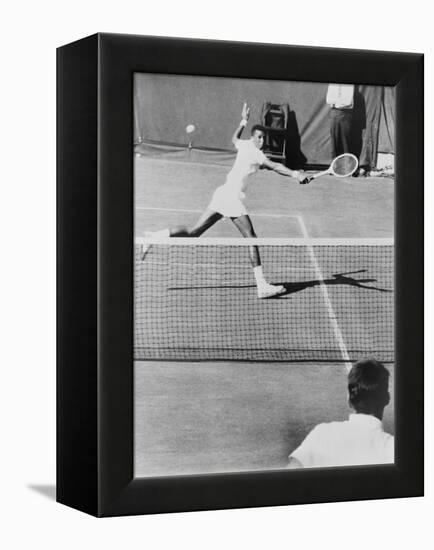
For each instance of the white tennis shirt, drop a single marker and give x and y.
(249, 158)
(357, 441)
(340, 96)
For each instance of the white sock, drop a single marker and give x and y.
(259, 275)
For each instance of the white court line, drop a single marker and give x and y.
(185, 161)
(323, 287)
(186, 211)
(154, 238)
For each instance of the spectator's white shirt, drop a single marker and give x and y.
(249, 158)
(359, 440)
(340, 96)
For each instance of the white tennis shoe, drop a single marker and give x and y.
(267, 291)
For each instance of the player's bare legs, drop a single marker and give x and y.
(245, 227)
(207, 220)
(265, 290)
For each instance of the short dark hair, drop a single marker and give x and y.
(368, 386)
(257, 127)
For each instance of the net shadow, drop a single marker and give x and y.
(293, 287)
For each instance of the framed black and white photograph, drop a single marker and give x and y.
(243, 338)
(239, 251)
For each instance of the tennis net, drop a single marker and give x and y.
(196, 299)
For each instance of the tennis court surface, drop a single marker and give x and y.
(198, 418)
(173, 189)
(227, 382)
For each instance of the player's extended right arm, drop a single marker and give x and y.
(283, 170)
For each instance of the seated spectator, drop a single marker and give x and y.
(360, 440)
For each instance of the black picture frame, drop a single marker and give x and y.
(95, 274)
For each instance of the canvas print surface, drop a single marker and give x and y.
(264, 275)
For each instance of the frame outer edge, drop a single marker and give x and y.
(119, 493)
(410, 276)
(76, 384)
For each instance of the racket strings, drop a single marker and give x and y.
(344, 165)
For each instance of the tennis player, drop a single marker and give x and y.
(227, 200)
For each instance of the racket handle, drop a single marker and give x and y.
(319, 174)
(306, 180)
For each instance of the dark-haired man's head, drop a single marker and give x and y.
(258, 135)
(368, 387)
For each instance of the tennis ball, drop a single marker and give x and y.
(190, 128)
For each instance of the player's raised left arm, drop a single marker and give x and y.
(243, 123)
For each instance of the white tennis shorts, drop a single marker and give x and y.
(228, 202)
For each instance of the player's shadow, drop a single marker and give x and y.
(335, 279)
(292, 288)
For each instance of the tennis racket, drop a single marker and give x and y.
(342, 166)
